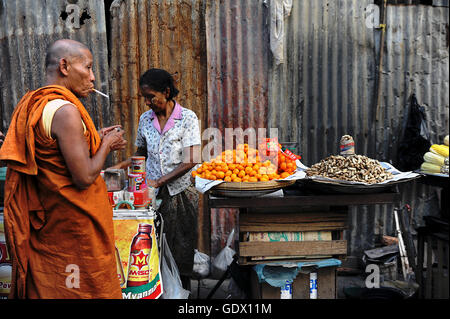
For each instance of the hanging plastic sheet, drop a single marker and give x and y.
(279, 11)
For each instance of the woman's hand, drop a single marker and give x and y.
(102, 132)
(154, 183)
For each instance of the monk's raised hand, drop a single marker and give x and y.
(102, 132)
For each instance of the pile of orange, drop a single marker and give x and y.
(244, 164)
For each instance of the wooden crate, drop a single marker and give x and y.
(305, 221)
(252, 252)
(432, 264)
(326, 286)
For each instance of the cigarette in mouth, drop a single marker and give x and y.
(100, 93)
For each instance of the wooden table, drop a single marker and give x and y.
(297, 211)
(289, 201)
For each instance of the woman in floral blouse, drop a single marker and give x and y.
(168, 136)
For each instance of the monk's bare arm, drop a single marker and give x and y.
(67, 129)
(123, 165)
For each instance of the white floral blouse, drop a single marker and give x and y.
(165, 149)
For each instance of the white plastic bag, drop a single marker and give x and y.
(201, 265)
(170, 276)
(223, 259)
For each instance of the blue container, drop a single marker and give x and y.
(2, 174)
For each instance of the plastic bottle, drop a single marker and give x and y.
(286, 290)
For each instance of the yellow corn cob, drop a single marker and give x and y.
(433, 158)
(439, 149)
(446, 140)
(430, 168)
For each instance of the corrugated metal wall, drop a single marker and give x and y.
(237, 64)
(238, 56)
(327, 88)
(167, 34)
(221, 50)
(27, 28)
(156, 34)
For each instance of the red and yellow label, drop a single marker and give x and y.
(139, 269)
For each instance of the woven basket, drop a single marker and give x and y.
(252, 186)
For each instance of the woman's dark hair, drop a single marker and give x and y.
(159, 80)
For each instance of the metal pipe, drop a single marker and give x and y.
(380, 62)
(407, 271)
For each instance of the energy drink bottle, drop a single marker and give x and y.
(139, 263)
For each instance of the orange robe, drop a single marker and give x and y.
(60, 238)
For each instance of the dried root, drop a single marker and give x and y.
(354, 168)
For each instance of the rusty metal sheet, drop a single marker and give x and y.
(156, 34)
(238, 65)
(327, 85)
(237, 78)
(28, 28)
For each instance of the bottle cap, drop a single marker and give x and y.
(145, 228)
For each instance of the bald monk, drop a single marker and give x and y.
(58, 219)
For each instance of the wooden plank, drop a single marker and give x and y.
(320, 226)
(326, 286)
(429, 278)
(326, 283)
(445, 262)
(292, 222)
(298, 201)
(300, 286)
(246, 261)
(440, 271)
(299, 248)
(204, 225)
(309, 217)
(420, 257)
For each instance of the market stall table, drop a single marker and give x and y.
(304, 200)
(337, 203)
(295, 210)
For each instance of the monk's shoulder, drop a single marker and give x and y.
(67, 118)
